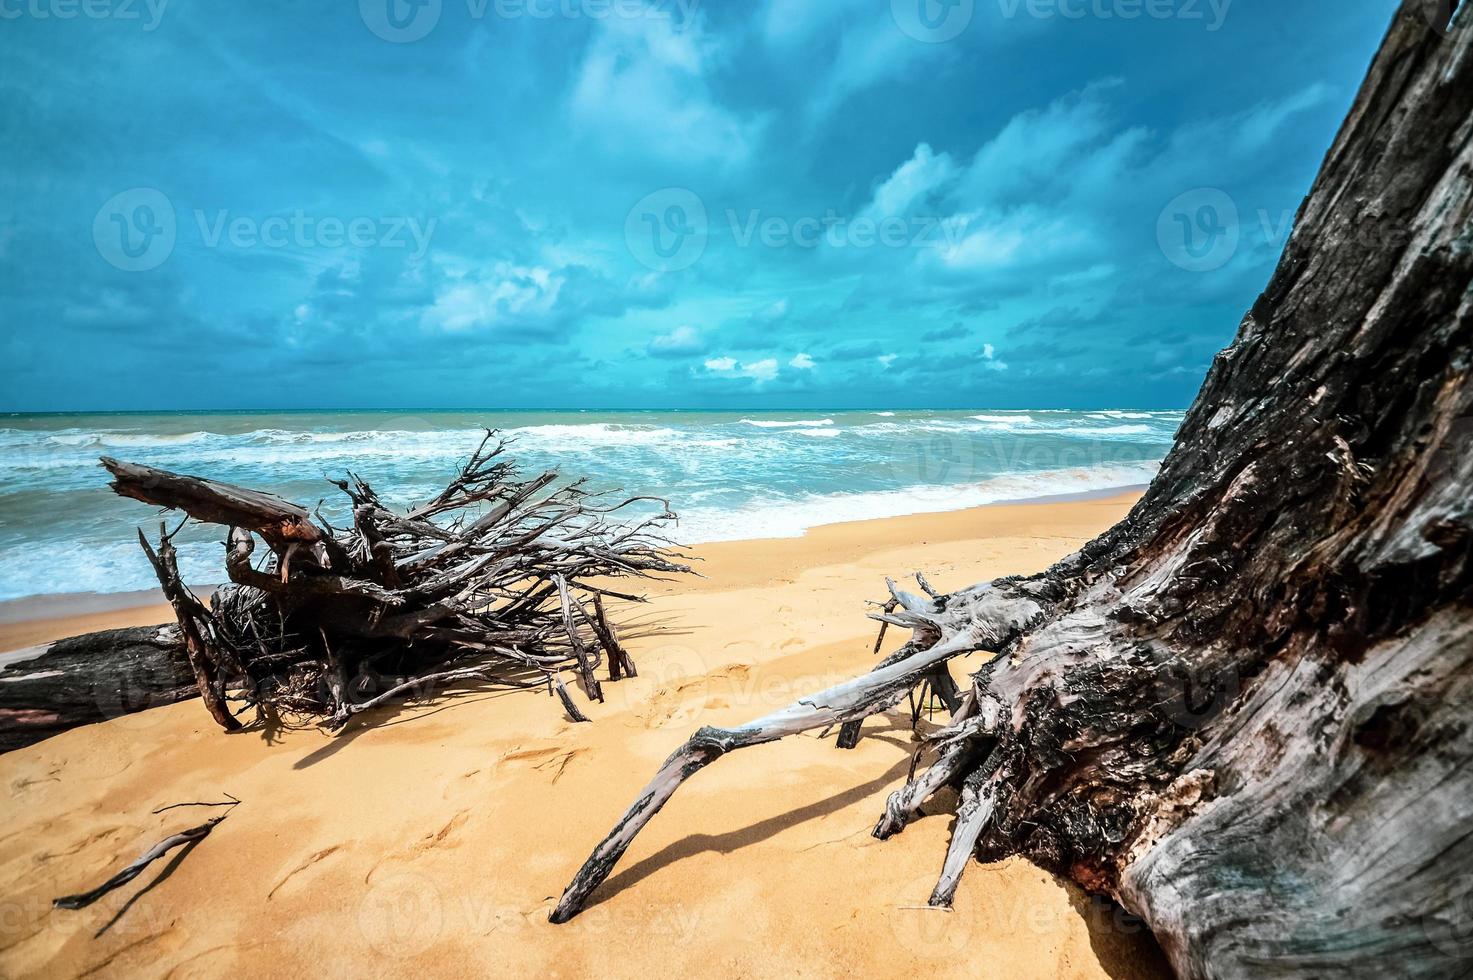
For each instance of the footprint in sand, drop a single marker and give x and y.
(687, 700)
(550, 759)
(304, 865)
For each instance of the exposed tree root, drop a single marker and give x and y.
(494, 581)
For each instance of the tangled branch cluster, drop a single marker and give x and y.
(495, 581)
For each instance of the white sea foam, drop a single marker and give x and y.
(1103, 430)
(730, 477)
(596, 433)
(800, 424)
(792, 517)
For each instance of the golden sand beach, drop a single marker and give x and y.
(434, 840)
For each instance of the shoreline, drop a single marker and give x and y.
(434, 867)
(32, 616)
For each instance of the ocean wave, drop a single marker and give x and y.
(731, 477)
(792, 517)
(800, 424)
(84, 439)
(596, 433)
(1103, 430)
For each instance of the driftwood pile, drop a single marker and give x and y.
(496, 581)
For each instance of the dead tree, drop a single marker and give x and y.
(1246, 711)
(495, 581)
(86, 679)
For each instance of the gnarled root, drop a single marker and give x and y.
(990, 617)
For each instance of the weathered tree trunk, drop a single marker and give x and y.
(1246, 712)
(91, 678)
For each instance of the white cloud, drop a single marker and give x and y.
(763, 370)
(684, 339)
(923, 173)
(990, 361)
(642, 88)
(1051, 190)
(505, 292)
(886, 359)
(802, 362)
(759, 371)
(776, 311)
(871, 50)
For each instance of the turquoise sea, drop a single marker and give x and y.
(728, 475)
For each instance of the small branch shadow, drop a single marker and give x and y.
(158, 879)
(737, 839)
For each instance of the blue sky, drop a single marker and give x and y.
(619, 204)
